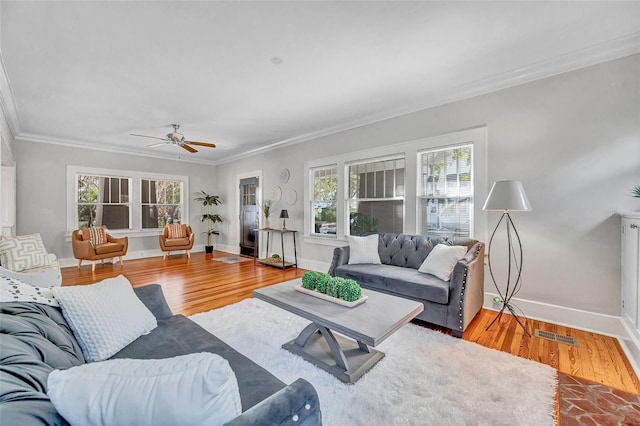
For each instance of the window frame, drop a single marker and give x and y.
(312, 200)
(348, 199)
(410, 149)
(421, 194)
(142, 203)
(135, 197)
(110, 203)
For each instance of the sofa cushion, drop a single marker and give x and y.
(176, 242)
(178, 335)
(401, 281)
(408, 251)
(192, 389)
(363, 250)
(105, 316)
(108, 248)
(23, 252)
(442, 260)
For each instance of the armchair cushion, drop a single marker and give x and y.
(108, 248)
(24, 252)
(177, 230)
(97, 235)
(177, 242)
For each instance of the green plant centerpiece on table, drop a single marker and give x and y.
(338, 287)
(209, 200)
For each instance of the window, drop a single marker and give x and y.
(446, 201)
(422, 186)
(323, 201)
(161, 203)
(127, 202)
(102, 200)
(376, 196)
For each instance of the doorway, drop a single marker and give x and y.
(249, 215)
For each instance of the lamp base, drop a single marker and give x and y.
(509, 307)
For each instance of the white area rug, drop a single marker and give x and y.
(231, 259)
(426, 377)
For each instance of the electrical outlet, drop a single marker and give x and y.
(497, 303)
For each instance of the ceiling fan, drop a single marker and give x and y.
(177, 139)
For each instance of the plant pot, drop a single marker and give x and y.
(208, 249)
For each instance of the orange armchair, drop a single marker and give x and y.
(176, 237)
(106, 247)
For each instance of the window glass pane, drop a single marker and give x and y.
(446, 204)
(323, 204)
(161, 203)
(102, 201)
(370, 217)
(374, 189)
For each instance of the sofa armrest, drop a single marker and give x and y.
(466, 289)
(296, 404)
(153, 298)
(340, 257)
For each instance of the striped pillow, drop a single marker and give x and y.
(97, 235)
(177, 230)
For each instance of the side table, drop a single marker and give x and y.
(277, 263)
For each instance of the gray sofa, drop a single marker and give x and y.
(35, 339)
(450, 304)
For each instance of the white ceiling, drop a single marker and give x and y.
(90, 73)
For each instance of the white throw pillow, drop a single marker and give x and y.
(104, 317)
(441, 261)
(364, 250)
(195, 389)
(14, 290)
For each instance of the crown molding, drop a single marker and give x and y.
(592, 55)
(7, 101)
(31, 137)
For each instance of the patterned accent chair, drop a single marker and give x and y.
(95, 244)
(25, 258)
(176, 237)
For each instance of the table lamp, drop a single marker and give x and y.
(284, 215)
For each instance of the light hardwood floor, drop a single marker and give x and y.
(200, 284)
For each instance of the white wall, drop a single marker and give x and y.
(572, 140)
(41, 179)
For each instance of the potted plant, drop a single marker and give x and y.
(636, 191)
(208, 200)
(265, 208)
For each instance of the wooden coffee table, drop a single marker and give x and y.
(365, 325)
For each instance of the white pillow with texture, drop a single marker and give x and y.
(364, 250)
(104, 317)
(195, 389)
(441, 261)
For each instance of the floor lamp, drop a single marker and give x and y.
(507, 196)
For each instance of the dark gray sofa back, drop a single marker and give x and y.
(409, 251)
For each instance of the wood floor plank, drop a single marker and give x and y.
(201, 283)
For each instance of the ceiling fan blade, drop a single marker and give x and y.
(188, 148)
(210, 145)
(157, 144)
(145, 136)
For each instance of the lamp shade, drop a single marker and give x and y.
(507, 195)
(284, 214)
